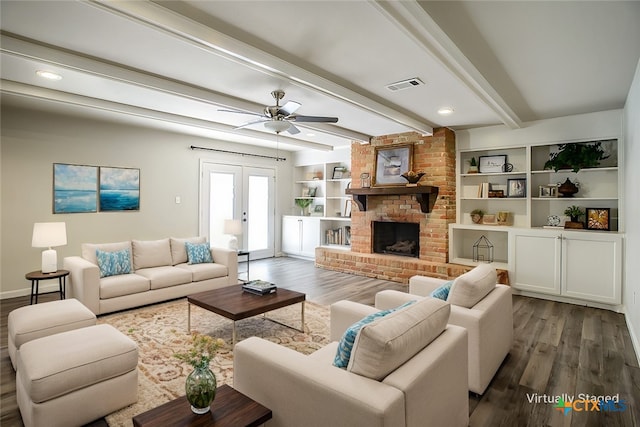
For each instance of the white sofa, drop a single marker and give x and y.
(159, 272)
(408, 368)
(479, 305)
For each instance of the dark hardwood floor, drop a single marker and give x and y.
(559, 349)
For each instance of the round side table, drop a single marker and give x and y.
(36, 276)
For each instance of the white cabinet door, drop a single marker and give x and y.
(291, 234)
(310, 236)
(537, 258)
(592, 265)
(300, 235)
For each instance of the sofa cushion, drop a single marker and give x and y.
(124, 284)
(151, 253)
(166, 276)
(384, 345)
(89, 249)
(62, 363)
(468, 289)
(178, 250)
(442, 292)
(205, 271)
(114, 263)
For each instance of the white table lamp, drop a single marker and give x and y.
(233, 227)
(48, 235)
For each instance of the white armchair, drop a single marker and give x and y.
(481, 306)
(429, 388)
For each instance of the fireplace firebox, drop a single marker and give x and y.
(396, 238)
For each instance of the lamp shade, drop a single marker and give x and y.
(232, 226)
(49, 234)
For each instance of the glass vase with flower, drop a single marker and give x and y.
(201, 384)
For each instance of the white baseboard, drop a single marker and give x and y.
(634, 338)
(49, 287)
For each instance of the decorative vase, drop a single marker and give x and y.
(201, 389)
(567, 189)
(476, 218)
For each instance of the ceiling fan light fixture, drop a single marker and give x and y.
(277, 126)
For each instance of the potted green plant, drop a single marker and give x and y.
(473, 166)
(303, 204)
(576, 156)
(574, 212)
(476, 215)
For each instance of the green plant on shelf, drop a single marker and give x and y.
(576, 156)
(303, 203)
(574, 212)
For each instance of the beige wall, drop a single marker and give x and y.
(33, 141)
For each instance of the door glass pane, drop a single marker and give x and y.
(221, 203)
(258, 213)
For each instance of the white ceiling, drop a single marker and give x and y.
(175, 64)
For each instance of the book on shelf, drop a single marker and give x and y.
(483, 190)
(259, 287)
(338, 236)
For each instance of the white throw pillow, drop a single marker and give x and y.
(151, 253)
(468, 289)
(387, 343)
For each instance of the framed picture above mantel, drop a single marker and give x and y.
(391, 162)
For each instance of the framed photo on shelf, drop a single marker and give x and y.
(391, 162)
(338, 172)
(548, 191)
(492, 164)
(598, 218)
(517, 187)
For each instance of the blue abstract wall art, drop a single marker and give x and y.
(119, 189)
(75, 188)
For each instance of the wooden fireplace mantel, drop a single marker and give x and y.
(425, 195)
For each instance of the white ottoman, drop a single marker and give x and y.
(41, 320)
(75, 377)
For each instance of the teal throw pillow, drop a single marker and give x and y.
(198, 253)
(442, 292)
(345, 346)
(113, 263)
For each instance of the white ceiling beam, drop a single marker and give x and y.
(20, 48)
(414, 21)
(158, 17)
(34, 92)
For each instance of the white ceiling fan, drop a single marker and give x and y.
(278, 118)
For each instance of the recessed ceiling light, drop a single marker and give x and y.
(445, 110)
(48, 75)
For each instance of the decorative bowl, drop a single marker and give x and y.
(413, 177)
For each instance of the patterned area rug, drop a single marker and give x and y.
(161, 330)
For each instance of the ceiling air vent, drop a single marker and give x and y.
(404, 84)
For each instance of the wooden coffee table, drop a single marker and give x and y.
(230, 408)
(235, 304)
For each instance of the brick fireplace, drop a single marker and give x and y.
(434, 155)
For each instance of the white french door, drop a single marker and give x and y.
(239, 192)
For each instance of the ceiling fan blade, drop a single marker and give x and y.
(249, 124)
(241, 112)
(289, 108)
(293, 130)
(313, 119)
